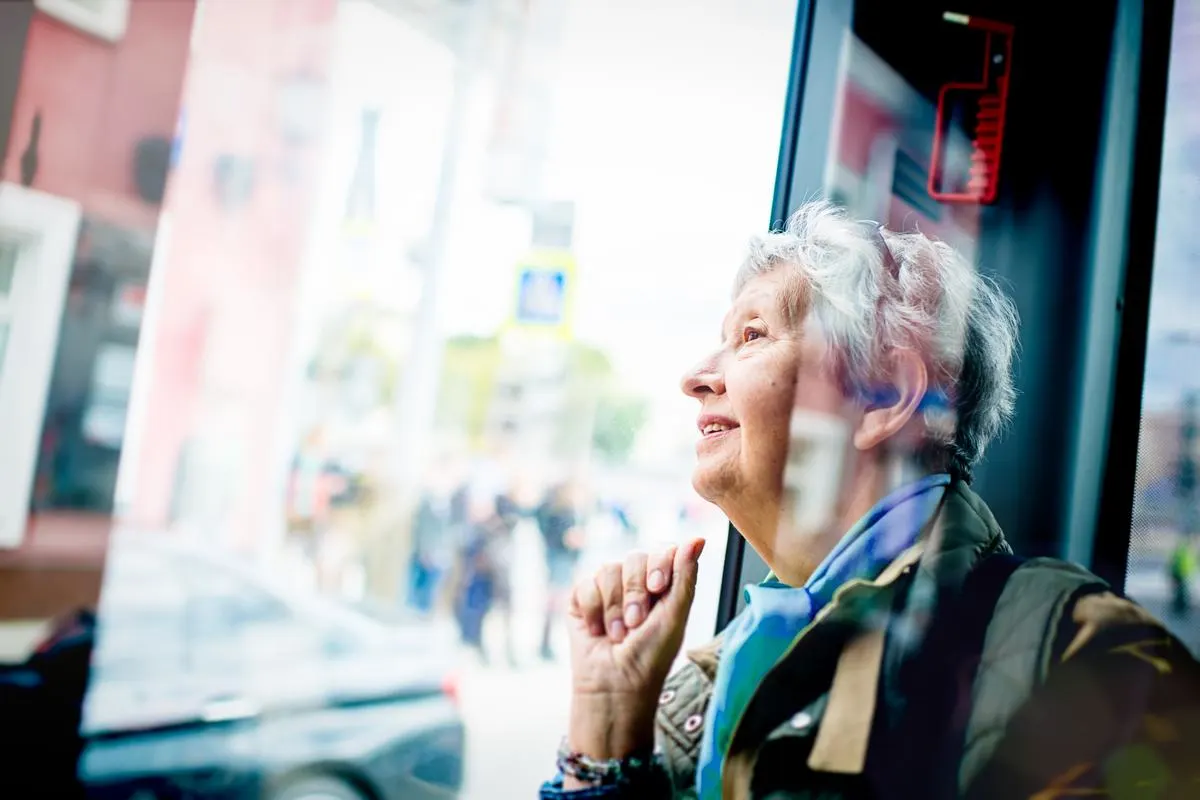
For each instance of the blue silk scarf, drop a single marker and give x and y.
(775, 614)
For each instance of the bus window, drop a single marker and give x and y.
(337, 338)
(967, 124)
(1164, 543)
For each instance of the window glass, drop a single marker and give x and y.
(143, 600)
(8, 266)
(1163, 545)
(372, 342)
(953, 146)
(141, 670)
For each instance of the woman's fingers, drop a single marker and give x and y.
(659, 568)
(612, 590)
(588, 605)
(636, 599)
(619, 597)
(686, 567)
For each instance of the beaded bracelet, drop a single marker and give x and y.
(602, 772)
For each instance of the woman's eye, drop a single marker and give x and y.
(750, 334)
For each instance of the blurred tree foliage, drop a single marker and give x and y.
(469, 371)
(469, 368)
(357, 344)
(619, 418)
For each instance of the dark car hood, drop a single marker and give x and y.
(406, 663)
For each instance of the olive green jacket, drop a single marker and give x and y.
(834, 718)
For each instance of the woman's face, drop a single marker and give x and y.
(765, 367)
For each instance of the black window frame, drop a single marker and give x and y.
(1095, 528)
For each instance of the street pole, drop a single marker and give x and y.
(415, 402)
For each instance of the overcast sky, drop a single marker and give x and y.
(665, 132)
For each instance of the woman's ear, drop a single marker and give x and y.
(908, 383)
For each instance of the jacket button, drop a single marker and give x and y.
(801, 721)
(666, 697)
(693, 723)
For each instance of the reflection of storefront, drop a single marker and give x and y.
(93, 372)
(223, 294)
(88, 128)
(881, 166)
(37, 239)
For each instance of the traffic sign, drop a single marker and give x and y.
(545, 291)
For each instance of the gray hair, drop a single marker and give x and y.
(870, 290)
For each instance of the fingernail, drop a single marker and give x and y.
(616, 630)
(596, 629)
(633, 615)
(656, 580)
(698, 547)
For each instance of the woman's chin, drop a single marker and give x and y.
(709, 484)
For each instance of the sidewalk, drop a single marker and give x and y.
(515, 720)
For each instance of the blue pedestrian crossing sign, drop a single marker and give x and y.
(541, 299)
(545, 285)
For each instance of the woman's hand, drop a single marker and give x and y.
(626, 625)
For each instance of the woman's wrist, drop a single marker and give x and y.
(605, 727)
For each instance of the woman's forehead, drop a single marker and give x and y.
(763, 295)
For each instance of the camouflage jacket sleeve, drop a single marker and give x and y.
(1117, 716)
(679, 725)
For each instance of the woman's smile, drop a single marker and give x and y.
(713, 429)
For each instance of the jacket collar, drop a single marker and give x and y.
(962, 532)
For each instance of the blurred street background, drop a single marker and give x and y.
(338, 337)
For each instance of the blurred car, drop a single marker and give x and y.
(209, 682)
(41, 698)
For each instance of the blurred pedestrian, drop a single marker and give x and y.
(485, 583)
(314, 480)
(558, 520)
(502, 548)
(436, 529)
(1182, 568)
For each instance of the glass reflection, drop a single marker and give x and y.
(361, 362)
(1162, 573)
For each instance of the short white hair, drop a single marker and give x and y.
(870, 290)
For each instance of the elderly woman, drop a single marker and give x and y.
(898, 648)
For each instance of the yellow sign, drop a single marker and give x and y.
(545, 293)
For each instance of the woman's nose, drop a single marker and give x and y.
(704, 378)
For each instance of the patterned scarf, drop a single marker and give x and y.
(776, 614)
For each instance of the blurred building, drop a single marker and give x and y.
(239, 206)
(1158, 448)
(191, 157)
(87, 120)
